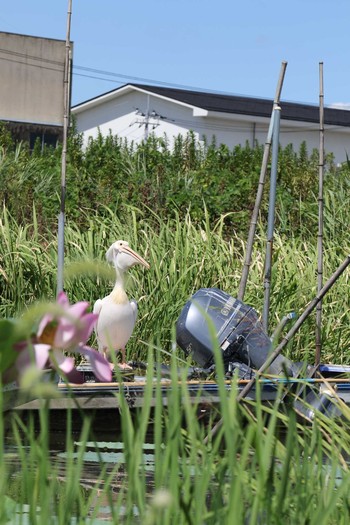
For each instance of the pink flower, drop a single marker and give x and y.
(69, 330)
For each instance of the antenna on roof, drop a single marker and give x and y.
(66, 114)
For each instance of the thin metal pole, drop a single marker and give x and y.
(320, 224)
(66, 115)
(271, 217)
(147, 119)
(255, 214)
(311, 306)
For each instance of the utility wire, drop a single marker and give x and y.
(60, 69)
(31, 57)
(99, 72)
(129, 78)
(120, 82)
(183, 122)
(147, 80)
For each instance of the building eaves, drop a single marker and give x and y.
(258, 107)
(239, 105)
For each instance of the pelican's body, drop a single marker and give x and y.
(116, 314)
(116, 321)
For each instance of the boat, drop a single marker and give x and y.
(226, 340)
(102, 403)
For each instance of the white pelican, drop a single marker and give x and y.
(116, 314)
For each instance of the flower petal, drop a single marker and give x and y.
(69, 325)
(41, 354)
(75, 377)
(65, 335)
(69, 334)
(78, 309)
(100, 365)
(66, 365)
(86, 327)
(62, 299)
(38, 354)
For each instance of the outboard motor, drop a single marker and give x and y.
(236, 328)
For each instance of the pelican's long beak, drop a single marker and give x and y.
(130, 258)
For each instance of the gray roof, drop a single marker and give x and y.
(240, 105)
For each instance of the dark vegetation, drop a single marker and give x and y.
(111, 173)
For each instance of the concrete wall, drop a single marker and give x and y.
(32, 74)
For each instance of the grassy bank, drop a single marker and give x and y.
(184, 256)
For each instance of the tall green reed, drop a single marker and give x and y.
(264, 465)
(184, 256)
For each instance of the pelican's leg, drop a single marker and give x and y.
(105, 355)
(123, 365)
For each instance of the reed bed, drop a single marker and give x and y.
(184, 256)
(262, 467)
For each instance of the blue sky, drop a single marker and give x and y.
(226, 45)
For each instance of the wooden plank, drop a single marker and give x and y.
(99, 396)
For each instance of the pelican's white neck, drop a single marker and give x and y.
(118, 293)
(119, 277)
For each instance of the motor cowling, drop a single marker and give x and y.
(214, 317)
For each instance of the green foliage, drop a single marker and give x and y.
(184, 256)
(10, 334)
(114, 173)
(187, 210)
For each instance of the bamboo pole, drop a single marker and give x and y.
(255, 214)
(311, 306)
(320, 224)
(271, 218)
(66, 115)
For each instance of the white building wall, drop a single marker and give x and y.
(126, 116)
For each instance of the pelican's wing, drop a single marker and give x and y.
(133, 305)
(97, 307)
(96, 310)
